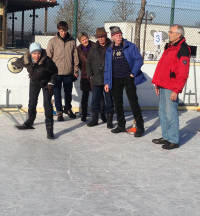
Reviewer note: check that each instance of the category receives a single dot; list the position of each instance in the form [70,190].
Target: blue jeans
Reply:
[97,92]
[169,119]
[66,81]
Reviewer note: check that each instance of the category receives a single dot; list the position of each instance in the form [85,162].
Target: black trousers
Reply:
[84,102]
[34,91]
[118,86]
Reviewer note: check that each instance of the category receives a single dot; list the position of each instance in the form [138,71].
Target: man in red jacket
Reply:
[169,79]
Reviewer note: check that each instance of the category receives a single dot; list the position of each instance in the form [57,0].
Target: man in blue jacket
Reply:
[122,70]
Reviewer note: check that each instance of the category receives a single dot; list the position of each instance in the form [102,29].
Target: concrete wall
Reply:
[18,84]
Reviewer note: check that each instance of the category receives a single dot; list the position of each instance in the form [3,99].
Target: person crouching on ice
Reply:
[42,73]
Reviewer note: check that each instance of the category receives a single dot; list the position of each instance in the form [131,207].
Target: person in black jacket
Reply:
[95,71]
[42,73]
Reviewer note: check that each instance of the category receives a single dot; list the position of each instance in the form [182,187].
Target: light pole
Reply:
[148,17]
[13,18]
[33,23]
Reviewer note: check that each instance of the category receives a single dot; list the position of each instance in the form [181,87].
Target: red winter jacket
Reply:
[173,68]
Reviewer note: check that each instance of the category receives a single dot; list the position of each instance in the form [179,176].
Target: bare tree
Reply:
[84,18]
[122,10]
[138,23]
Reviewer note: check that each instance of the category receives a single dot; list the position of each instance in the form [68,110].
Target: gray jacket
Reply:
[64,54]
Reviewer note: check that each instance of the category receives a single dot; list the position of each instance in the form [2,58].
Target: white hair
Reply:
[180,30]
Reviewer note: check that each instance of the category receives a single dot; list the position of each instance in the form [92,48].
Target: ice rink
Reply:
[93,172]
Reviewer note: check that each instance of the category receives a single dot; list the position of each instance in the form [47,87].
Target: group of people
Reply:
[107,68]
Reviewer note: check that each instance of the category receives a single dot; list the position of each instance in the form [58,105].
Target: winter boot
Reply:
[70,113]
[94,120]
[60,116]
[25,126]
[102,110]
[140,128]
[139,132]
[50,134]
[110,120]
[83,118]
[49,128]
[103,117]
[84,112]
[118,129]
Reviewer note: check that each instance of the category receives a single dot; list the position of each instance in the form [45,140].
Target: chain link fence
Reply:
[98,13]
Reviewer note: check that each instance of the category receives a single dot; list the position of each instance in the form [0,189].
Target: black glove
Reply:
[50,88]
[15,67]
[74,78]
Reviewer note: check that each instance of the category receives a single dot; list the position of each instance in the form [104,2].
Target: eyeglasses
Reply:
[170,32]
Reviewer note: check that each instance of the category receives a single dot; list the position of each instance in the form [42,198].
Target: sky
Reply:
[192,4]
[186,13]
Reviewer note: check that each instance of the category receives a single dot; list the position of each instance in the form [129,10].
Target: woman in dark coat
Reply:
[42,72]
[85,85]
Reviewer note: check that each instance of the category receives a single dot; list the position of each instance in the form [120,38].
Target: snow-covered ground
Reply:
[92,172]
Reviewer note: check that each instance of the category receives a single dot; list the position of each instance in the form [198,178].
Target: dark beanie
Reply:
[115,30]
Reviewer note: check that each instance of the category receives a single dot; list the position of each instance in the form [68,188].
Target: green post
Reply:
[75,18]
[172,13]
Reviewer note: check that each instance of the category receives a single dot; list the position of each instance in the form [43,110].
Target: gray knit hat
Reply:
[115,30]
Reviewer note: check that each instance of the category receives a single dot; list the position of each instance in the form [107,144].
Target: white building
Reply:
[192,35]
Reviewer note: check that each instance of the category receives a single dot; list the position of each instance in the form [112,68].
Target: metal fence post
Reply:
[172,13]
[4,26]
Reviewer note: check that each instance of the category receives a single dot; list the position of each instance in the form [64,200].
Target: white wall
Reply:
[19,86]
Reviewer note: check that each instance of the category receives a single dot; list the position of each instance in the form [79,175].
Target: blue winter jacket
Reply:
[134,59]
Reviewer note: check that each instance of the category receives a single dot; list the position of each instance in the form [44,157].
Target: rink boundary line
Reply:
[127,109]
